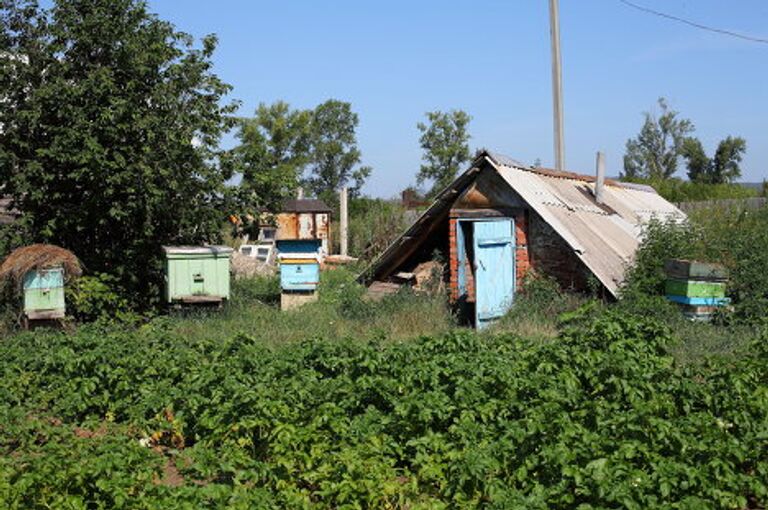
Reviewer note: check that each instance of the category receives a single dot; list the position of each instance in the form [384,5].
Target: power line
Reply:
[694,24]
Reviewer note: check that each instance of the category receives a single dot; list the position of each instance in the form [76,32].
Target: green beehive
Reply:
[694,288]
[197,274]
[44,294]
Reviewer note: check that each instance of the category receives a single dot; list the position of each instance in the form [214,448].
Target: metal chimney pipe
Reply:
[600,178]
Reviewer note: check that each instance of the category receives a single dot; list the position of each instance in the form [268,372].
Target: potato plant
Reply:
[600,418]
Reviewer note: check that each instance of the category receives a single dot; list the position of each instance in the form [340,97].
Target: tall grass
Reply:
[340,312]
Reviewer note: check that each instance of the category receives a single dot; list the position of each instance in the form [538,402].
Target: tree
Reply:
[111,121]
[699,164]
[272,154]
[728,155]
[723,168]
[445,144]
[334,157]
[655,152]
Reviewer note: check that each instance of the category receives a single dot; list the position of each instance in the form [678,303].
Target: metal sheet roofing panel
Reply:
[605,237]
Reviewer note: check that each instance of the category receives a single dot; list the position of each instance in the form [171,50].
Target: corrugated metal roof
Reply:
[604,237]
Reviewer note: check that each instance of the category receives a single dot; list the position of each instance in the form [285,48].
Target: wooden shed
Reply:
[500,219]
[305,219]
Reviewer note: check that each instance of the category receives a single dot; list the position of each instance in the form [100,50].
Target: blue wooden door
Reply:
[494,244]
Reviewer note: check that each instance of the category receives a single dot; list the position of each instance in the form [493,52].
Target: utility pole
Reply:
[557,84]
[344,221]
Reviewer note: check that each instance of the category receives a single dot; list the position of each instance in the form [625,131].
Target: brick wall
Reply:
[453,260]
[523,262]
[522,254]
[552,256]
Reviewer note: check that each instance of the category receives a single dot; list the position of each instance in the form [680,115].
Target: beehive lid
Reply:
[197,250]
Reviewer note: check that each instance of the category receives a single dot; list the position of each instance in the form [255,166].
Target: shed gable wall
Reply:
[538,246]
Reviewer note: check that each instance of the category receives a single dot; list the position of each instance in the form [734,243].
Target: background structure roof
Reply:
[301,205]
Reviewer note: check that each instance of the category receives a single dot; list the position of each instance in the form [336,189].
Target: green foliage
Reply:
[722,169]
[90,298]
[373,224]
[656,150]
[254,310]
[445,144]
[539,306]
[334,157]
[678,190]
[602,418]
[661,241]
[735,237]
[279,145]
[111,120]
[271,156]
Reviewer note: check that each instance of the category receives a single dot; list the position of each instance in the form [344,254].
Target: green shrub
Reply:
[373,225]
[91,298]
[262,289]
[661,241]
[737,238]
[678,190]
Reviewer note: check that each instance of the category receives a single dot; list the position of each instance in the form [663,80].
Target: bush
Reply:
[735,238]
[373,225]
[263,289]
[678,190]
[97,297]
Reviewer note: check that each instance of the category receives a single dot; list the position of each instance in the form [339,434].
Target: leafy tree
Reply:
[699,164]
[111,120]
[445,144]
[723,168]
[655,152]
[334,156]
[272,154]
[728,155]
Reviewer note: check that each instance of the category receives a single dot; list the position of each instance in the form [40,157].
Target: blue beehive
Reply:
[299,271]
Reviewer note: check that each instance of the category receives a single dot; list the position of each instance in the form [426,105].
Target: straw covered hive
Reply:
[36,257]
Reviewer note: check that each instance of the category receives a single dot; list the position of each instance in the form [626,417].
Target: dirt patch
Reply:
[171,475]
[91,434]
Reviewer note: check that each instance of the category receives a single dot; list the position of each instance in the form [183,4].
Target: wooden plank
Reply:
[379,290]
[500,212]
[191,300]
[42,315]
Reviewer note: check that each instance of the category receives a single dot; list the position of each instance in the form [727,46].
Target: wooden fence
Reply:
[733,203]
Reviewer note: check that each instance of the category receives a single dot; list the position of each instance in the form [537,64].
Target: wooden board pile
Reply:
[697,287]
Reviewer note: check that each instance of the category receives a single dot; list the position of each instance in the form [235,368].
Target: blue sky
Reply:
[396,60]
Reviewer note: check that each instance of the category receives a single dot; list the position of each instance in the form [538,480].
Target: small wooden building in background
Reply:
[305,219]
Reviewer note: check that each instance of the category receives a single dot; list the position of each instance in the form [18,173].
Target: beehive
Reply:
[197,274]
[697,287]
[44,294]
[299,271]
